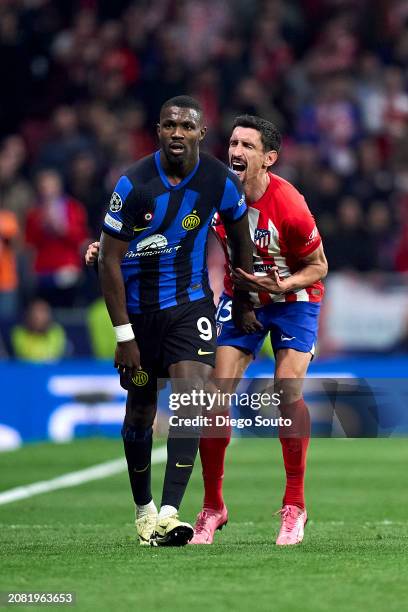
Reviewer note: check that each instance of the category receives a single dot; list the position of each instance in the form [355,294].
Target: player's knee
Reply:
[194,392]
[140,417]
[194,382]
[289,386]
[132,433]
[290,370]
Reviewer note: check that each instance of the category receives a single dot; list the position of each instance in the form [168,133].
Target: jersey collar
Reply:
[164,178]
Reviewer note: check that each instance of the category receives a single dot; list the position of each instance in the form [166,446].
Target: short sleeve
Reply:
[301,235]
[232,206]
[123,208]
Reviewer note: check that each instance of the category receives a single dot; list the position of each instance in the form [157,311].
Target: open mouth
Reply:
[177,148]
[238,166]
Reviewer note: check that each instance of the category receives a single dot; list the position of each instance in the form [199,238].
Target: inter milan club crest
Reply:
[140,378]
[262,238]
[191,221]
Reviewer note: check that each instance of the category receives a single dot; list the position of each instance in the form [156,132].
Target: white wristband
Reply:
[124,333]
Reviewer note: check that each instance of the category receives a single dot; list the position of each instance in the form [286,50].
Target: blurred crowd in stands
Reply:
[83,82]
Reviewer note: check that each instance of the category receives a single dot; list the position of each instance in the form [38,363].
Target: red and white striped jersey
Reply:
[283,232]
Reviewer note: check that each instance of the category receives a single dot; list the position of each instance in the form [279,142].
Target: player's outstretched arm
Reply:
[239,239]
[127,356]
[314,269]
[249,282]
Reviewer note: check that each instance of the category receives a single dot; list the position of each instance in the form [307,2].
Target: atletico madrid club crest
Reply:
[262,238]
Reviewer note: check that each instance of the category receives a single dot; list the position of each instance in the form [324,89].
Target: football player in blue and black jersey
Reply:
[153,272]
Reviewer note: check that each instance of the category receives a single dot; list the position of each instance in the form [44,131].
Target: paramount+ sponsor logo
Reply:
[152,243]
[156,244]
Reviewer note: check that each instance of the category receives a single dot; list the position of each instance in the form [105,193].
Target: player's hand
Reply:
[243,316]
[127,361]
[92,253]
[272,283]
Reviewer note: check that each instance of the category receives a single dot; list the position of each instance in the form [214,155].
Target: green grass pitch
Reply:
[354,556]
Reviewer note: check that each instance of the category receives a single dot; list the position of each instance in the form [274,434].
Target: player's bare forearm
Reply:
[240,242]
[111,253]
[315,269]
[303,278]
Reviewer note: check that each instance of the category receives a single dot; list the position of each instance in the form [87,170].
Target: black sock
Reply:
[138,450]
[181,453]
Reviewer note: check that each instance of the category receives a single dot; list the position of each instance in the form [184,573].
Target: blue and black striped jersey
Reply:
[167,229]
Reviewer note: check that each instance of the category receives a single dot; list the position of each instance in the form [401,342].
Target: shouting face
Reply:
[247,155]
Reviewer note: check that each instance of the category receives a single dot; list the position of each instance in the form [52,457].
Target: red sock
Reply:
[294,450]
[212,453]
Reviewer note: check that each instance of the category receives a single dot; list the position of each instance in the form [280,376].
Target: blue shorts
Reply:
[291,325]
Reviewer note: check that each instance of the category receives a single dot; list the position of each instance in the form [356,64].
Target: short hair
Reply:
[270,135]
[183,102]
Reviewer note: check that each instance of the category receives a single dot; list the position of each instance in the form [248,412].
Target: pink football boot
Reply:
[207,523]
[293,521]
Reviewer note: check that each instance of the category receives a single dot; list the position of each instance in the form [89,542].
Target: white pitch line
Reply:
[73,479]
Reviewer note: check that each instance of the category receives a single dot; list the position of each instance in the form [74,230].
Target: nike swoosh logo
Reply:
[181,465]
[201,352]
[142,470]
[141,229]
[283,338]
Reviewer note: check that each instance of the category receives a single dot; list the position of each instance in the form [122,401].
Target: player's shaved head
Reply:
[270,135]
[184,102]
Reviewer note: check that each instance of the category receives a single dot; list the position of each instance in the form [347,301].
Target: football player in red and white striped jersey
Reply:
[286,291]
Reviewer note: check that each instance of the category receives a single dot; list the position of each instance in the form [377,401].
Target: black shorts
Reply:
[181,333]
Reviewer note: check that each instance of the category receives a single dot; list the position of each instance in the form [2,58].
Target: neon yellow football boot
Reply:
[170,531]
[145,526]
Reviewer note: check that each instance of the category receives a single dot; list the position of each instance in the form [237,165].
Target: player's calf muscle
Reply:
[140,416]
